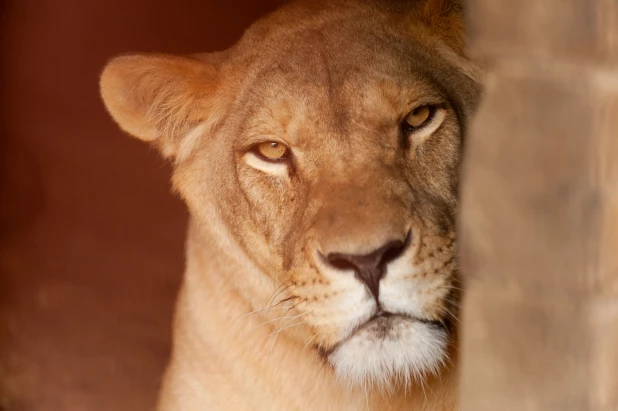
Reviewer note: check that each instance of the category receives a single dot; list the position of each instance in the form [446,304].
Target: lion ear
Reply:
[161,98]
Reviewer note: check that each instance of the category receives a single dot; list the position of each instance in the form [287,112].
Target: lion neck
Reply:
[221,341]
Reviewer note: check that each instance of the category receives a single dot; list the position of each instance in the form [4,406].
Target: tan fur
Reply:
[262,322]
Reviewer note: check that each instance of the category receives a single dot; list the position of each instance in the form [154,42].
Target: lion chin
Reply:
[389,348]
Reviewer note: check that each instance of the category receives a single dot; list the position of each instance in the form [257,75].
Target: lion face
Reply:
[325,154]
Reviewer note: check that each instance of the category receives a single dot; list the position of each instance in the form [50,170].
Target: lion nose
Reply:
[370,268]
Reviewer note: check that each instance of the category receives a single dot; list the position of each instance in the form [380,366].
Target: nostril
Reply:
[340,263]
[395,249]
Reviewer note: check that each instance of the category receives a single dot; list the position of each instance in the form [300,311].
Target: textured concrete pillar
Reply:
[539,221]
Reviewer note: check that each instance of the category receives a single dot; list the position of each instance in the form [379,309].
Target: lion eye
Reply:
[272,150]
[417,118]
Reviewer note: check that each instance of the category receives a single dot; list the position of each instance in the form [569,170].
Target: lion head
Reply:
[323,151]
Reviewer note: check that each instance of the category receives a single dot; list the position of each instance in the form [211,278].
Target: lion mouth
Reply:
[382,325]
[389,347]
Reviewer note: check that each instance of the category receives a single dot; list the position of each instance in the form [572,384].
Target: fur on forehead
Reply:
[423,19]
[431,32]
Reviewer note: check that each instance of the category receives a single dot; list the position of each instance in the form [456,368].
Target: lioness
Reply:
[319,160]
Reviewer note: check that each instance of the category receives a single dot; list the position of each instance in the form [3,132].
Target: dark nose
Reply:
[370,268]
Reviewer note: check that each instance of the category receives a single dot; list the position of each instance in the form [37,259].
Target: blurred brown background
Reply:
[91,240]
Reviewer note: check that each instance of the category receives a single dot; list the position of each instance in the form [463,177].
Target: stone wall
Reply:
[539,220]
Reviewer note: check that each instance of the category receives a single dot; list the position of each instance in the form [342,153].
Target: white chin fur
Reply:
[390,349]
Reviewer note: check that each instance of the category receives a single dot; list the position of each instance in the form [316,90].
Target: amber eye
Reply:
[271,150]
[417,118]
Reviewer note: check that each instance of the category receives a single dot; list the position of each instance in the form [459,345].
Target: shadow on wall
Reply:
[91,241]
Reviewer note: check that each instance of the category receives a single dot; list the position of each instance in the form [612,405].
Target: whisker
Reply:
[283,287]
[285,300]
[453,316]
[449,359]
[290,309]
[284,326]
[258,311]
[309,342]
[277,319]
[279,331]
[269,304]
